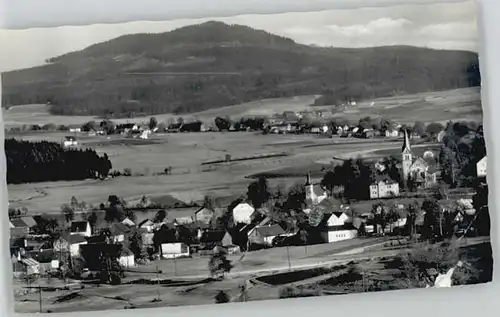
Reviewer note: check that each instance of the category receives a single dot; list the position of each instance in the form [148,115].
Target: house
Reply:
[126,128]
[129,223]
[75,130]
[174,127]
[243,213]
[81,228]
[22,225]
[384,189]
[212,239]
[69,243]
[118,232]
[69,141]
[481,167]
[25,267]
[335,227]
[126,258]
[174,250]
[147,224]
[204,215]
[391,133]
[264,235]
[145,134]
[315,194]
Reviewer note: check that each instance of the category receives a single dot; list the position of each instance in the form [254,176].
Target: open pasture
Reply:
[442,106]
[185,153]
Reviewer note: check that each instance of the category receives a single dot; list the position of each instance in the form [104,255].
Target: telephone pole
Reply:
[288,255]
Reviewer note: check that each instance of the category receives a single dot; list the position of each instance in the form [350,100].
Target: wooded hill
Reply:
[213,64]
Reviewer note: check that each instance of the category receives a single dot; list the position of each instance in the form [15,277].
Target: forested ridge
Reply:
[43,161]
[213,65]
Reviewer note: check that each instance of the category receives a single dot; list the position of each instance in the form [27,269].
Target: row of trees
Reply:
[49,161]
[463,146]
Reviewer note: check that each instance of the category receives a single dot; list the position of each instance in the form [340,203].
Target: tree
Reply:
[221,298]
[68,212]
[413,212]
[432,224]
[89,126]
[379,211]
[92,219]
[258,192]
[153,123]
[136,245]
[219,265]
[74,203]
[419,128]
[160,216]
[330,181]
[222,123]
[434,128]
[209,202]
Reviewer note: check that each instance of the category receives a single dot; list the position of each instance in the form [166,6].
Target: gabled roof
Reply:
[23,222]
[18,232]
[204,209]
[118,228]
[212,236]
[145,223]
[128,222]
[74,238]
[79,226]
[270,231]
[30,262]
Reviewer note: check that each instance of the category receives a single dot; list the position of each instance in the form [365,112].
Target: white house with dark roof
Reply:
[264,235]
[69,243]
[335,227]
[204,215]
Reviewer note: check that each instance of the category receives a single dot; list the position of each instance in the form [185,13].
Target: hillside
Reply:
[212,65]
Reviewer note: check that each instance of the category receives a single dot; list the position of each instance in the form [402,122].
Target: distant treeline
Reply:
[49,161]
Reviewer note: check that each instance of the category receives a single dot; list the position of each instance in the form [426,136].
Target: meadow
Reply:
[185,152]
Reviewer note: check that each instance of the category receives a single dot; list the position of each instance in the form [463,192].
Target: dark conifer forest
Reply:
[30,162]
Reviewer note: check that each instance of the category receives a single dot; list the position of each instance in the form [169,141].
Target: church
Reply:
[417,172]
[315,194]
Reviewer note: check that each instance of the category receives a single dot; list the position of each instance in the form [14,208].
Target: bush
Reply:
[127,172]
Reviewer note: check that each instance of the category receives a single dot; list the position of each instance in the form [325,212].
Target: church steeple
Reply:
[407,159]
[406,143]
[308,180]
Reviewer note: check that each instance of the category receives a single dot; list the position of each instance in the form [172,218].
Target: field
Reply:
[316,270]
[185,152]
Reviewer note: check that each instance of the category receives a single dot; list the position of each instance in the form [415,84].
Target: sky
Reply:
[439,26]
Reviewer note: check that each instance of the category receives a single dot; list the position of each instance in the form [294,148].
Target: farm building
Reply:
[69,141]
[126,258]
[243,213]
[335,227]
[481,167]
[69,243]
[212,239]
[204,215]
[264,235]
[384,189]
[81,228]
[129,223]
[118,232]
[25,267]
[22,224]
[174,250]
[147,224]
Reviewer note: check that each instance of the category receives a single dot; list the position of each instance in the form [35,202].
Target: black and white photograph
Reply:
[245,158]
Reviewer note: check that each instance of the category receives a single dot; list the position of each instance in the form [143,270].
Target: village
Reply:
[117,243]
